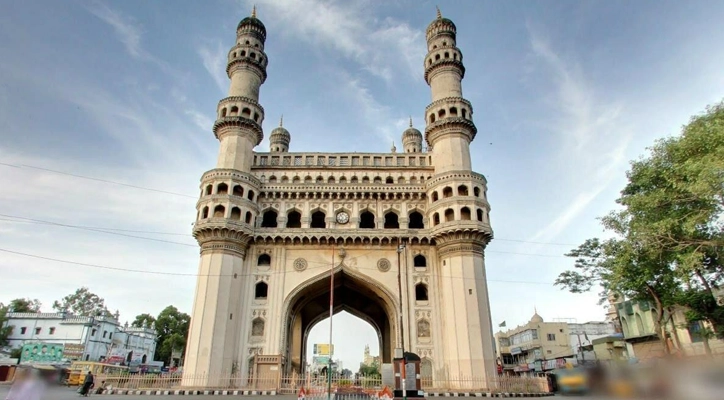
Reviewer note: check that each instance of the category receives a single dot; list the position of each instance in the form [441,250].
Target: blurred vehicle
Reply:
[79,369]
[572,381]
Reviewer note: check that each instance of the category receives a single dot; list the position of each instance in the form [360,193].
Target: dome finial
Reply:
[439,14]
[410,121]
[393,149]
[253,11]
[281,120]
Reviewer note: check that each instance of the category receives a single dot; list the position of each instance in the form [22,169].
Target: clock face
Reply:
[342,217]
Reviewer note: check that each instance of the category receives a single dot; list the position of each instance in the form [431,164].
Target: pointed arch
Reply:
[238,191]
[269,219]
[219,211]
[294,219]
[419,261]
[236,213]
[261,290]
[367,220]
[264,260]
[318,219]
[391,220]
[415,221]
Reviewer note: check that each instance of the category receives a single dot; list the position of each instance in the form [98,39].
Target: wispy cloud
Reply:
[213,57]
[128,32]
[377,46]
[590,131]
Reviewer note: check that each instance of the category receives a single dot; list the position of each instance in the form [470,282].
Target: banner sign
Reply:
[42,353]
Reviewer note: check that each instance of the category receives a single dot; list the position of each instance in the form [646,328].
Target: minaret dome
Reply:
[412,140]
[279,138]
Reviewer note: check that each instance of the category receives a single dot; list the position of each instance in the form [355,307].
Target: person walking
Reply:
[27,386]
[87,385]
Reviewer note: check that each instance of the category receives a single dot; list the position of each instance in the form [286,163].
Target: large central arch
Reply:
[357,294]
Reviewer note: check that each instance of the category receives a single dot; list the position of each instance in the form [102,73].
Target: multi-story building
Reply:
[82,338]
[402,236]
[370,360]
[534,347]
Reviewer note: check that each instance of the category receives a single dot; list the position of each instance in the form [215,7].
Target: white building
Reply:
[84,338]
[583,335]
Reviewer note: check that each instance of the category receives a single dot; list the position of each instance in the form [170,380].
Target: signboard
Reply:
[388,375]
[323,349]
[320,360]
[410,377]
[42,353]
[73,351]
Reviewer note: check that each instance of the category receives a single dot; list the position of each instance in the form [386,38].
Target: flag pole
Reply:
[331,313]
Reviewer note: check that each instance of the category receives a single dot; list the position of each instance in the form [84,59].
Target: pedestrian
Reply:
[87,385]
[27,386]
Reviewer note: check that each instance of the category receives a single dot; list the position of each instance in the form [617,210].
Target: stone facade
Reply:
[274,228]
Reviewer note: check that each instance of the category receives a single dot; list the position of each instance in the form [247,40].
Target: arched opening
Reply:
[246,112]
[354,180]
[465,113]
[367,220]
[437,57]
[419,261]
[238,191]
[449,215]
[441,113]
[436,219]
[640,325]
[342,180]
[447,54]
[219,211]
[480,214]
[453,112]
[269,220]
[236,213]
[330,180]
[391,221]
[264,260]
[465,214]
[366,179]
[320,179]
[415,221]
[434,197]
[222,188]
[285,179]
[389,180]
[250,195]
[306,313]
[447,192]
[426,373]
[223,112]
[318,220]
[307,179]
[420,292]
[208,189]
[476,191]
[296,179]
[432,117]
[260,291]
[294,219]
[248,217]
[401,180]
[462,190]
[273,179]
[377,179]
[234,110]
[205,213]
[257,328]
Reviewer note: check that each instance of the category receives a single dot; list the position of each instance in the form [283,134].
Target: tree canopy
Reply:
[142,320]
[172,329]
[5,329]
[669,232]
[24,306]
[84,303]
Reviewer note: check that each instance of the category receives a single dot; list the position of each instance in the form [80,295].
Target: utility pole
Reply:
[331,313]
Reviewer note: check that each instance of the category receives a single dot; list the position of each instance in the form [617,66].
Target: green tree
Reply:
[142,320]
[369,370]
[169,322]
[5,329]
[24,306]
[84,303]
[173,342]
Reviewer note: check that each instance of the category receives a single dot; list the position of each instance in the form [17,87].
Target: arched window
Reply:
[320,179]
[367,220]
[354,180]
[342,180]
[441,113]
[269,219]
[432,117]
[242,54]
[264,260]
[480,214]
[219,211]
[236,213]
[465,113]
[330,180]
[447,54]
[260,290]
[465,214]
[426,373]
[436,219]
[449,215]
[248,217]
[208,189]
[462,190]
[476,191]
[273,179]
[257,327]
[222,188]
[318,220]
[420,292]
[223,112]
[296,179]
[250,195]
[378,179]
[420,261]
[389,180]
[391,221]
[447,192]
[366,179]
[246,112]
[401,180]
[413,181]
[256,119]
[307,179]
[437,57]
[434,197]
[238,191]
[294,219]
[415,221]
[234,110]
[205,213]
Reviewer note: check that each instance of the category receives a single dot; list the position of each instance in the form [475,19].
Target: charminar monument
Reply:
[275,227]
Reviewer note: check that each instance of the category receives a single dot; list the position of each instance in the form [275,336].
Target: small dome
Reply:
[411,133]
[441,22]
[279,131]
[254,21]
[536,318]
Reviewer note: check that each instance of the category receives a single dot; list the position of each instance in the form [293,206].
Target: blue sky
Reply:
[565,93]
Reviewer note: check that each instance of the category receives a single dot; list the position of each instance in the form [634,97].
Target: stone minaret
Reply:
[279,139]
[412,140]
[227,211]
[458,209]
